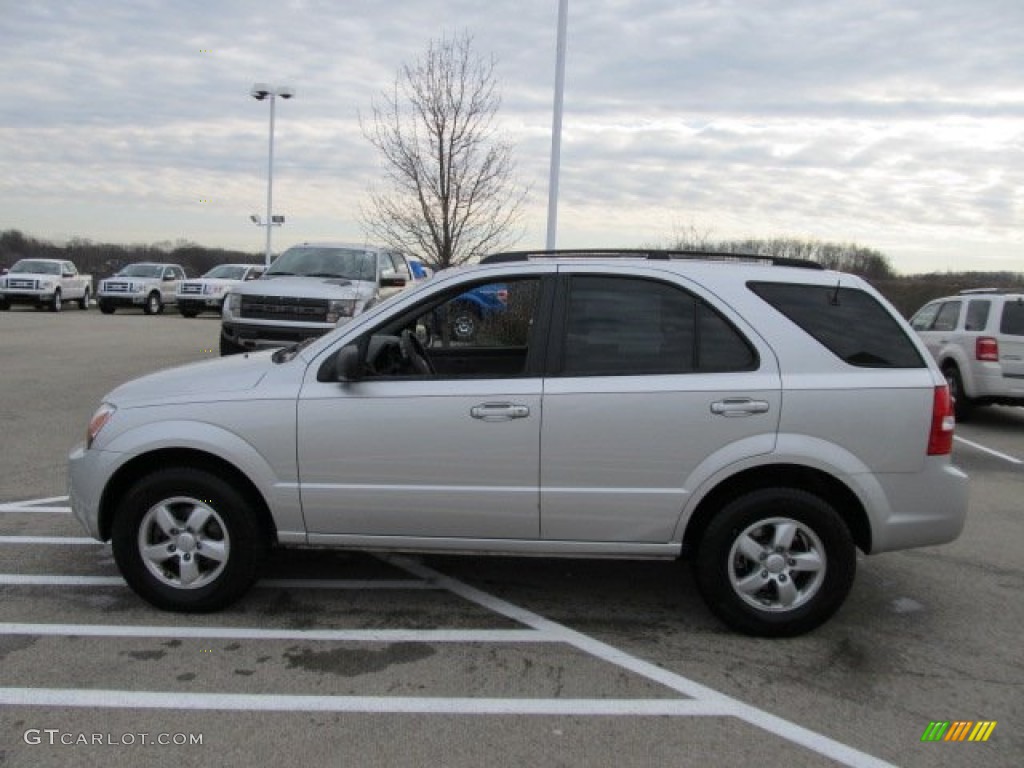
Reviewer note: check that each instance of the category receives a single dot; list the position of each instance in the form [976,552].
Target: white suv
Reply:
[765,419]
[977,337]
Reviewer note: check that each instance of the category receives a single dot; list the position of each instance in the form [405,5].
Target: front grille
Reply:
[116,287]
[291,309]
[22,283]
[192,288]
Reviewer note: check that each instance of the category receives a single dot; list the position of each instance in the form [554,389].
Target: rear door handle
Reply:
[739,406]
[499,411]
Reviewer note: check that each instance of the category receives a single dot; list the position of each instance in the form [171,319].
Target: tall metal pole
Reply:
[270,180]
[556,127]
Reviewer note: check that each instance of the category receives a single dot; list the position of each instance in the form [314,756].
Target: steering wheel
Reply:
[416,353]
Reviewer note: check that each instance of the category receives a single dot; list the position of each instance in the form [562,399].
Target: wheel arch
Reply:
[809,479]
[128,474]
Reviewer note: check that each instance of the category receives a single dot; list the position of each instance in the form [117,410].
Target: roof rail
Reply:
[650,254]
[969,291]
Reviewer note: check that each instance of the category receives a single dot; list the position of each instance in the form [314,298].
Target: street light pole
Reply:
[556,125]
[261,91]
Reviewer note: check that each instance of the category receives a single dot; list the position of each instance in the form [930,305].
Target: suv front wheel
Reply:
[186,540]
[775,562]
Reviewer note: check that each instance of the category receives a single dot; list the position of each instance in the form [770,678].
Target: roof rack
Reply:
[650,254]
[971,291]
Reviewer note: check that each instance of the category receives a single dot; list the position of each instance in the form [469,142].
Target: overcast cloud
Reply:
[897,125]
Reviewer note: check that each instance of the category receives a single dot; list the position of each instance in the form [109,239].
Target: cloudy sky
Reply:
[894,124]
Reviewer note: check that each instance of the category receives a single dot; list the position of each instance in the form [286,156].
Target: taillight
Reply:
[940,439]
[986,349]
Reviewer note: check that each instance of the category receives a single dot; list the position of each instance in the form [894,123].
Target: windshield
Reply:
[227,272]
[36,267]
[142,270]
[325,262]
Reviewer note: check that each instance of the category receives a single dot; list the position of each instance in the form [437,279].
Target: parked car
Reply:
[146,285]
[207,293]
[762,417]
[44,283]
[309,290]
[977,338]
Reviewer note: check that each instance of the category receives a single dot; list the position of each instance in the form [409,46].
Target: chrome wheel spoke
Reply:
[164,518]
[784,535]
[188,570]
[788,593]
[750,548]
[806,561]
[157,553]
[752,584]
[198,518]
[214,550]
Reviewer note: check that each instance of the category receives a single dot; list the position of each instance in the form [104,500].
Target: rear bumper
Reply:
[924,509]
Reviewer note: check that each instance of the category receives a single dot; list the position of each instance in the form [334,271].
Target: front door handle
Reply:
[499,411]
[739,406]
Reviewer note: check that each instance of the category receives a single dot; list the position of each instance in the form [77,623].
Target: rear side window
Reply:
[847,321]
[1013,318]
[629,327]
[977,314]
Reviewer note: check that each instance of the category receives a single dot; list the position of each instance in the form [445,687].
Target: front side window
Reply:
[628,327]
[949,315]
[484,331]
[925,316]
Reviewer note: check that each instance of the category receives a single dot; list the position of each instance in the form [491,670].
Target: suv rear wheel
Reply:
[185,540]
[775,562]
[963,406]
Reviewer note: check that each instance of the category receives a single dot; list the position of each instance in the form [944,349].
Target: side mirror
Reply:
[348,366]
[392,282]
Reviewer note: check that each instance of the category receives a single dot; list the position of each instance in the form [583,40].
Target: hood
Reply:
[308,287]
[202,381]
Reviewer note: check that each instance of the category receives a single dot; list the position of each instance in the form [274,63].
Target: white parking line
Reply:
[61,580]
[65,697]
[990,451]
[263,633]
[38,505]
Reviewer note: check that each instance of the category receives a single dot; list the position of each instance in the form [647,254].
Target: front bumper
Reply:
[200,305]
[88,472]
[34,298]
[122,299]
[255,336]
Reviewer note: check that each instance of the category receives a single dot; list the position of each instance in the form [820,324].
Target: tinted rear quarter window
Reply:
[1013,318]
[848,322]
[977,314]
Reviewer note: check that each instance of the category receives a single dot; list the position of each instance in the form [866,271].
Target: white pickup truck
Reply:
[45,283]
[147,285]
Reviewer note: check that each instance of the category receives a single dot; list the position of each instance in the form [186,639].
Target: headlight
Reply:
[340,309]
[208,289]
[233,303]
[46,285]
[140,288]
[99,420]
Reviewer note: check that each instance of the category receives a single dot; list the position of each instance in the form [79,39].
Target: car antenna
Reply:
[834,298]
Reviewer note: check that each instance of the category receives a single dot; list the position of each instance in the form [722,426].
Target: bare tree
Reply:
[448,195]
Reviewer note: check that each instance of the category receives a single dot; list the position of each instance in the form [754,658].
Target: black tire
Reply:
[963,406]
[153,306]
[189,313]
[57,304]
[4,305]
[204,542]
[793,582]
[83,303]
[105,308]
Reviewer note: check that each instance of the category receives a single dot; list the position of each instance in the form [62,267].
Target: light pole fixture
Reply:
[261,91]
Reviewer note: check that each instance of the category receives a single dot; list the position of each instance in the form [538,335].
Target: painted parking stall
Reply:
[650,690]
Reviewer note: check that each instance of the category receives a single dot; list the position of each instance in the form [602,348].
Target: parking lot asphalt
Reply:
[351,659]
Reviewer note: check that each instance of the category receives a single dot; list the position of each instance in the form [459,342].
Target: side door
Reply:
[169,281]
[433,439]
[652,389]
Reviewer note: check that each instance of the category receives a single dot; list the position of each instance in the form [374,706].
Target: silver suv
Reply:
[764,419]
[977,337]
